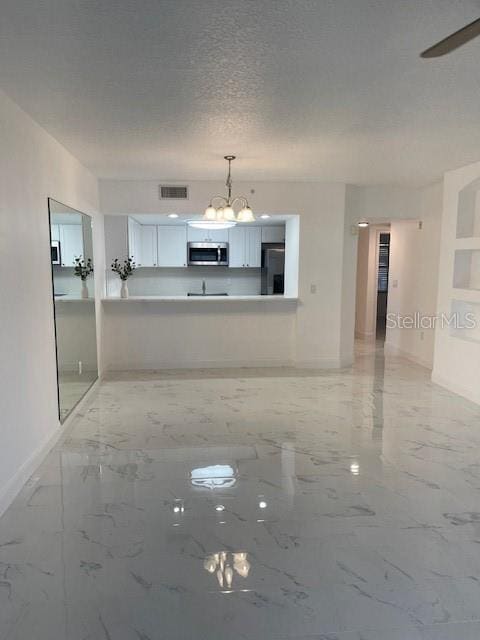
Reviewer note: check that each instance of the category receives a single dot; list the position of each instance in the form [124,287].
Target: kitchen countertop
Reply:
[207,298]
[69,298]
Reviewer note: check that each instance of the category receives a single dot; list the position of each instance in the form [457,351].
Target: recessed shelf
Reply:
[468,217]
[466,272]
[465,321]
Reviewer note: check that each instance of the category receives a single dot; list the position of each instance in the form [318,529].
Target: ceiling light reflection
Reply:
[355,468]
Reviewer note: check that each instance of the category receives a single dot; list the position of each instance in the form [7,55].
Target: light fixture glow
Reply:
[211,224]
[220,507]
[172,215]
[224,216]
[264,216]
[262,504]
[210,213]
[229,213]
[363,224]
[245,215]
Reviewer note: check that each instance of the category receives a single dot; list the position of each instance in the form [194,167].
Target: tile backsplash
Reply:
[180,281]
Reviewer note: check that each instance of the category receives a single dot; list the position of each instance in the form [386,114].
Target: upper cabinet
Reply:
[245,245]
[271,233]
[148,245]
[253,246]
[55,232]
[207,235]
[152,245]
[134,241]
[236,247]
[71,243]
[172,246]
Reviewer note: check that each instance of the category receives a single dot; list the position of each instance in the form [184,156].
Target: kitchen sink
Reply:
[206,295]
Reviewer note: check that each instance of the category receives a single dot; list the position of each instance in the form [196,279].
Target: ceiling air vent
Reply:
[173,192]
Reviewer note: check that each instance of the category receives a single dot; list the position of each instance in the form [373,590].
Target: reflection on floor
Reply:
[341,506]
[73,387]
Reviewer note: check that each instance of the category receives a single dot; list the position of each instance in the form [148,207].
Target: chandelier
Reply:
[223,215]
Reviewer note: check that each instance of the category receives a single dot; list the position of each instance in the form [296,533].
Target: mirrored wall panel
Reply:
[73,276]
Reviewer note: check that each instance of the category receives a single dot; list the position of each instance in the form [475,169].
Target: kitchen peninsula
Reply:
[225,321]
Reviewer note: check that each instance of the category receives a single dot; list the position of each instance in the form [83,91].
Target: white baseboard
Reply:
[324,363]
[199,364]
[469,394]
[393,350]
[13,487]
[315,363]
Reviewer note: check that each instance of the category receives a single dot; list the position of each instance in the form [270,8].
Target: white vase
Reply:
[84,289]
[124,289]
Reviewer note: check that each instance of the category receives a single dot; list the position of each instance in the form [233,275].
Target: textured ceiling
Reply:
[298,89]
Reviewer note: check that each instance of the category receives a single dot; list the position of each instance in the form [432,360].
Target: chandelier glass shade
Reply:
[220,213]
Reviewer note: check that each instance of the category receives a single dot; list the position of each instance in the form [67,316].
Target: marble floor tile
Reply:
[274,504]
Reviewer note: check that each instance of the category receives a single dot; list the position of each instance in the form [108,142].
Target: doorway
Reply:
[383,264]
[373,263]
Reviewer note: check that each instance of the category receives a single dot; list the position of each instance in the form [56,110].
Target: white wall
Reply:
[457,355]
[33,166]
[317,329]
[384,203]
[171,335]
[414,260]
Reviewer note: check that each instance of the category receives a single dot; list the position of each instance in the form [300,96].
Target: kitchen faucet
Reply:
[204,288]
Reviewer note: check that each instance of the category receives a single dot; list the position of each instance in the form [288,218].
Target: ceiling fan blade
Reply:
[452,42]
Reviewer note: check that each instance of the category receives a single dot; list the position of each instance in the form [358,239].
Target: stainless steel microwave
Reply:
[55,251]
[208,254]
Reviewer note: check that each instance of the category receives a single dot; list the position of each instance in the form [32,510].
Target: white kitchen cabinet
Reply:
[253,246]
[172,246]
[207,235]
[55,232]
[271,233]
[135,241]
[236,247]
[148,245]
[245,245]
[71,243]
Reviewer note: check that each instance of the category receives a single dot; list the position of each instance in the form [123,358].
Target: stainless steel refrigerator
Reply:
[273,268]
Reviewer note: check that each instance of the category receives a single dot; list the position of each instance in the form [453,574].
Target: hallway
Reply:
[253,504]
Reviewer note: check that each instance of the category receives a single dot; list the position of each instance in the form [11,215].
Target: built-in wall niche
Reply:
[468,218]
[465,321]
[466,272]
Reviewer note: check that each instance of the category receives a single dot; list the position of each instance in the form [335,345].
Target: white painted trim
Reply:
[317,363]
[324,363]
[16,483]
[455,388]
[392,350]
[200,364]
